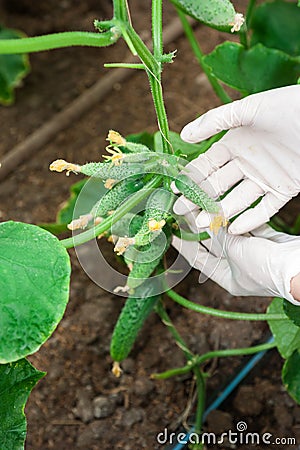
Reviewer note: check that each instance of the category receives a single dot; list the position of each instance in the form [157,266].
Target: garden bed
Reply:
[80,404]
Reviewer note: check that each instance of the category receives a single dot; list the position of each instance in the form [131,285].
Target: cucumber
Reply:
[115,196]
[157,208]
[107,170]
[193,192]
[130,321]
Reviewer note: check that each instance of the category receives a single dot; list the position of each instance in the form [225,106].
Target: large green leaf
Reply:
[286,334]
[292,311]
[12,68]
[215,13]
[277,25]
[179,146]
[291,375]
[254,70]
[34,288]
[16,382]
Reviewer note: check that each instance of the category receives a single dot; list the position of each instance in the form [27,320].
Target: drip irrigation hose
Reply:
[226,392]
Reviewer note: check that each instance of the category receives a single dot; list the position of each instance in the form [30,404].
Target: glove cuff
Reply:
[289,269]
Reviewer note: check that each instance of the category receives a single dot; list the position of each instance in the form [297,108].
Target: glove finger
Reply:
[267,232]
[188,249]
[182,206]
[212,267]
[257,216]
[174,188]
[242,196]
[224,117]
[222,179]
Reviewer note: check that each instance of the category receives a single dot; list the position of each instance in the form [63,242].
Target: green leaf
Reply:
[12,68]
[90,191]
[142,138]
[16,382]
[291,375]
[34,287]
[292,311]
[286,334]
[276,25]
[254,70]
[214,13]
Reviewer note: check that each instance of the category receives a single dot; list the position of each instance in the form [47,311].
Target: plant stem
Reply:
[210,355]
[59,40]
[124,66]
[200,383]
[120,10]
[218,313]
[167,321]
[186,236]
[118,214]
[249,12]
[221,93]
[157,29]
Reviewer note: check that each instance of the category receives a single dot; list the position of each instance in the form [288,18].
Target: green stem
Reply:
[120,10]
[157,29]
[221,93]
[59,40]
[250,9]
[167,321]
[162,119]
[218,313]
[186,236]
[198,360]
[200,383]
[118,214]
[124,66]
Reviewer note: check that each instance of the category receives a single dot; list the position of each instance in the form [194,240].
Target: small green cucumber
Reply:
[145,259]
[157,208]
[105,171]
[193,192]
[128,225]
[130,321]
[115,196]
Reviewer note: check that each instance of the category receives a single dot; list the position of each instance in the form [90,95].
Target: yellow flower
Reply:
[122,244]
[217,222]
[60,165]
[117,156]
[80,223]
[116,369]
[237,23]
[109,183]
[115,138]
[155,225]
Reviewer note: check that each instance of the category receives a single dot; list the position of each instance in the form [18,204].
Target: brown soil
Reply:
[79,404]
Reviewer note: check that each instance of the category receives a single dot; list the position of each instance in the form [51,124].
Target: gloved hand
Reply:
[262,264]
[261,150]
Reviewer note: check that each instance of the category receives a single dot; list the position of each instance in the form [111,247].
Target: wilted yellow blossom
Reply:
[155,225]
[117,156]
[237,23]
[122,244]
[217,222]
[109,183]
[60,165]
[80,223]
[116,369]
[115,138]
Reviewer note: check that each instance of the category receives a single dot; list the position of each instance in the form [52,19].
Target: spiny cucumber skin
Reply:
[135,147]
[194,193]
[130,321]
[105,171]
[128,225]
[115,196]
[157,207]
[146,260]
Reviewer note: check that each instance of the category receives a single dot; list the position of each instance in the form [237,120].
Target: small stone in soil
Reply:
[132,416]
[104,406]
[84,408]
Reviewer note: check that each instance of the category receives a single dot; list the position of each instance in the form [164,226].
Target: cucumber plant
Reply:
[137,170]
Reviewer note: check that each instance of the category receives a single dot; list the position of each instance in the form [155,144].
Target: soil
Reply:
[80,404]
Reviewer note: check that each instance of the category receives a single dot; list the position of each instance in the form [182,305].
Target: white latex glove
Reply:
[261,150]
[261,264]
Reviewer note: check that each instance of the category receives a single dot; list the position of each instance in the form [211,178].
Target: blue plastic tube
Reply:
[227,391]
